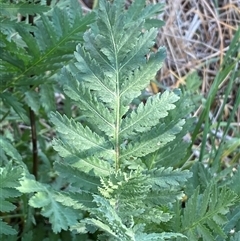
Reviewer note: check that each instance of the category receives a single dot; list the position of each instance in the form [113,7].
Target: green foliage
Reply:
[109,73]
[7,149]
[44,48]
[23,8]
[61,217]
[121,171]
[109,221]
[9,182]
[209,211]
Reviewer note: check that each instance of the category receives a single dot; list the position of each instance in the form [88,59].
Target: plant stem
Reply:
[34,142]
[33,127]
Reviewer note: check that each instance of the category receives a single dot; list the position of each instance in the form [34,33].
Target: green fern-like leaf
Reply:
[85,140]
[112,143]
[44,49]
[172,154]
[125,188]
[140,197]
[47,97]
[5,229]
[12,9]
[32,98]
[7,148]
[85,163]
[107,76]
[233,219]
[77,178]
[17,106]
[9,182]
[151,141]
[236,237]
[209,213]
[77,200]
[61,217]
[109,221]
[146,116]
[167,178]
[235,182]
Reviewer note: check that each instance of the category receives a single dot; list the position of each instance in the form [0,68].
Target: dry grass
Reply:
[197,35]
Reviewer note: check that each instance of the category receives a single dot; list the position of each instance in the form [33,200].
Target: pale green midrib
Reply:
[117,104]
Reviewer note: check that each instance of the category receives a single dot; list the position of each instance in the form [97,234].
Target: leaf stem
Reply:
[34,142]
[117,129]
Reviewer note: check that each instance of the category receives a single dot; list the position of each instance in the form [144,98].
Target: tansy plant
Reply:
[121,172]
